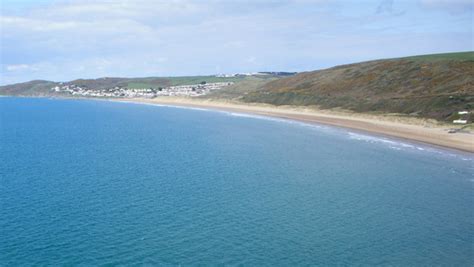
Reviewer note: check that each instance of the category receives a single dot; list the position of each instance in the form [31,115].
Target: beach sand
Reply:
[414,129]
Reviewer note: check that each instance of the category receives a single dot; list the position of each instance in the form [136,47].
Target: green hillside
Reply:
[444,56]
[150,82]
[42,88]
[433,86]
[31,88]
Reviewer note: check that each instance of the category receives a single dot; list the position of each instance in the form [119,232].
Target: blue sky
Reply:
[64,40]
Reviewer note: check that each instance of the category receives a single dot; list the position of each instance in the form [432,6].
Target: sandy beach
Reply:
[413,129]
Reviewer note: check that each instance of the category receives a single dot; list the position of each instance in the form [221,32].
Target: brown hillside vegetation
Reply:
[428,86]
[31,88]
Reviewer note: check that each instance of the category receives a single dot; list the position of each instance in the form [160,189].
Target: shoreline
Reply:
[424,131]
[410,129]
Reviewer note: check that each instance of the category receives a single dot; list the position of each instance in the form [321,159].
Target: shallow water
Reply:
[96,182]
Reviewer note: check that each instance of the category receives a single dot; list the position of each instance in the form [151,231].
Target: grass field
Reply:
[175,81]
[445,56]
[197,79]
[241,88]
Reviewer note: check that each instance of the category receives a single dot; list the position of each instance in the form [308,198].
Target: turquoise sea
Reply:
[104,183]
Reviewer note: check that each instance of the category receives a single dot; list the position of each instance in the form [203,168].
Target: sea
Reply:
[87,182]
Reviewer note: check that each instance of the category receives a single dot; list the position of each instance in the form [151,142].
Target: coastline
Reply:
[412,129]
[425,131]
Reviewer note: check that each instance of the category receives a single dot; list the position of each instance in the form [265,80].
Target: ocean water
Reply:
[104,183]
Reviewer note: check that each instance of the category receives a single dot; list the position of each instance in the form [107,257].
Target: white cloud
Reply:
[20,67]
[140,11]
[74,39]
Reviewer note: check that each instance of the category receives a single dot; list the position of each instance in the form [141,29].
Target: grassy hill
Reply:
[237,90]
[31,88]
[149,82]
[433,86]
[42,88]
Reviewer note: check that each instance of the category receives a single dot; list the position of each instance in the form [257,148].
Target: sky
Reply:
[62,40]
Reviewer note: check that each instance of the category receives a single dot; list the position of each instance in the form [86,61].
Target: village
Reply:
[192,90]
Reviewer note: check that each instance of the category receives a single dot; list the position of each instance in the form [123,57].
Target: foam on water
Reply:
[282,120]
[381,140]
[405,145]
[162,105]
[392,143]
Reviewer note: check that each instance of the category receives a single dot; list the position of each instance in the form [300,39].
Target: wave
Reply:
[392,143]
[162,105]
[276,119]
[405,145]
